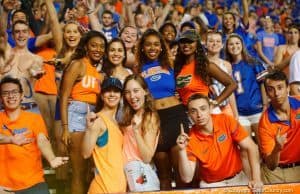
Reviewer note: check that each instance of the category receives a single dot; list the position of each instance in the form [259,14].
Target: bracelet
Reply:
[64,124]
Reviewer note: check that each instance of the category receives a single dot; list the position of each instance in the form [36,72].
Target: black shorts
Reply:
[170,120]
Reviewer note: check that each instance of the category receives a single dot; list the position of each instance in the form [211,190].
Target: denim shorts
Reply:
[77,115]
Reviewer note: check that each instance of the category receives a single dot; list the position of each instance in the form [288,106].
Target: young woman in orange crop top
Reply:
[65,40]
[193,70]
[140,126]
[80,88]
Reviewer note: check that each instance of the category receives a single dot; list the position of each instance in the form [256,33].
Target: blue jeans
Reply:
[77,115]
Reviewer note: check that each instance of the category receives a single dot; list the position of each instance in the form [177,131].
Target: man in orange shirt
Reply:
[20,161]
[213,142]
[279,132]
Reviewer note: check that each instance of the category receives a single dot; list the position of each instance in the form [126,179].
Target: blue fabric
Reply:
[30,45]
[161,82]
[281,39]
[248,94]
[212,18]
[268,41]
[77,115]
[103,139]
[111,33]
[294,103]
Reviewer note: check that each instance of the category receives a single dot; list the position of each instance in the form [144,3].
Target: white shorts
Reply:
[249,120]
[238,180]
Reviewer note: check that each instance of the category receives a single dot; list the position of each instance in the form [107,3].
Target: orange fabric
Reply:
[118,7]
[188,83]
[179,8]
[227,110]
[214,151]
[31,34]
[46,84]
[291,188]
[130,148]
[108,159]
[21,166]
[87,89]
[84,21]
[267,133]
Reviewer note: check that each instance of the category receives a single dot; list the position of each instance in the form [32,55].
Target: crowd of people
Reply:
[149,95]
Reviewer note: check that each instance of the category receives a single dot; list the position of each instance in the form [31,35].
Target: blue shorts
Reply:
[77,115]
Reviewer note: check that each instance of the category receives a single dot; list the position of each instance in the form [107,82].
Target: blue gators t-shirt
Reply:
[248,94]
[161,82]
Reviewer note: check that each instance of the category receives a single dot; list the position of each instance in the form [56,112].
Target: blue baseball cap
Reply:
[111,82]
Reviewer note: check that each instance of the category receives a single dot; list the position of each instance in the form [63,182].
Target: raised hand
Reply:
[280,140]
[90,118]
[182,139]
[136,122]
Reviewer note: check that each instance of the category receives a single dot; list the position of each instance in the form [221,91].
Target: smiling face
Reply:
[111,97]
[234,46]
[134,94]
[228,21]
[152,47]
[71,35]
[116,53]
[214,43]
[188,47]
[21,34]
[11,96]
[95,49]
[168,33]
[129,37]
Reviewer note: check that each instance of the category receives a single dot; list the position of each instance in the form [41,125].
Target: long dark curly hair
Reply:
[108,67]
[201,61]
[164,56]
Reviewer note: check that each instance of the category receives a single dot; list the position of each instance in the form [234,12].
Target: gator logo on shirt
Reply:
[298,116]
[222,138]
[182,81]
[155,78]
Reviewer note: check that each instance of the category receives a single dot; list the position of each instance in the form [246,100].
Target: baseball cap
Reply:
[190,35]
[111,82]
[189,24]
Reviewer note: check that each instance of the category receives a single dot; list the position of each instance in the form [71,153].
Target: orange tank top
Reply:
[108,159]
[46,84]
[188,83]
[87,89]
